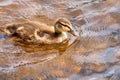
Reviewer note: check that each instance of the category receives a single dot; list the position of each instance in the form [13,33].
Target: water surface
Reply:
[94,55]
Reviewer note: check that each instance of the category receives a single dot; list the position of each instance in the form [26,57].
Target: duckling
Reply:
[33,31]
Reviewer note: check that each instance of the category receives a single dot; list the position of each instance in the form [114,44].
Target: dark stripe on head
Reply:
[63,24]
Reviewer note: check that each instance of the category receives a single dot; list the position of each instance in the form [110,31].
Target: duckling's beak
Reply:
[72,32]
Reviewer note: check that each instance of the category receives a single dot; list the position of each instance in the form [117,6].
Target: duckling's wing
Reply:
[26,31]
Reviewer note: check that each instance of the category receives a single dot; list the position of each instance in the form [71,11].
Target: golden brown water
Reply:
[95,55]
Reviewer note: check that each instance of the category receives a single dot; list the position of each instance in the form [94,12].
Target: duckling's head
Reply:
[63,25]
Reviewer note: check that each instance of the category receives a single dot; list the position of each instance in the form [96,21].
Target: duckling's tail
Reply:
[5,31]
[2,29]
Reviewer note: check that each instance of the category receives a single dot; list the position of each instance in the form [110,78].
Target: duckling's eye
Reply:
[60,26]
[63,24]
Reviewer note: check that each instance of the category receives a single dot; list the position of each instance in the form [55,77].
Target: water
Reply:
[95,55]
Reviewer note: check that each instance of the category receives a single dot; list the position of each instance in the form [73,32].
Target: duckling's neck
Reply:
[57,33]
[60,35]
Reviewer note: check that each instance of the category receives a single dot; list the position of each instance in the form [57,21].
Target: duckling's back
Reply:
[26,30]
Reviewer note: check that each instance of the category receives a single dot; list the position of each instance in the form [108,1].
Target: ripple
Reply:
[5,2]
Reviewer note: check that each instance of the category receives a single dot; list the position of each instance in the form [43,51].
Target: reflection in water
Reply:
[27,53]
[94,55]
[31,47]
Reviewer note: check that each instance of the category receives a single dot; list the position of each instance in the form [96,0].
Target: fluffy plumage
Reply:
[32,31]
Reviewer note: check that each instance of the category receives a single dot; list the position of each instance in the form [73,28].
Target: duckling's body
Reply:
[32,31]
